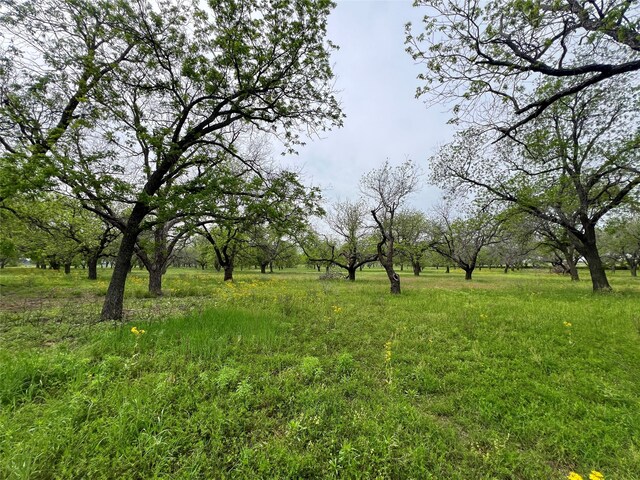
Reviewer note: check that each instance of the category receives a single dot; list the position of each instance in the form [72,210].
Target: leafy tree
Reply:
[623,240]
[242,209]
[574,164]
[557,239]
[487,55]
[157,248]
[415,236]
[515,243]
[388,189]
[9,238]
[57,229]
[58,54]
[169,119]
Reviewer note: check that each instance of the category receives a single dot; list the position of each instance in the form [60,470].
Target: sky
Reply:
[376,80]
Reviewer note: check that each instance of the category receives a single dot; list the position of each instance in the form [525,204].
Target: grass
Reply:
[286,376]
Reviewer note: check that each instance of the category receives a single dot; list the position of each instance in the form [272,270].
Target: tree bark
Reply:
[506,268]
[417,269]
[596,269]
[573,269]
[467,274]
[92,264]
[114,300]
[67,268]
[228,273]
[155,281]
[351,274]
[447,270]
[263,267]
[634,269]
[394,280]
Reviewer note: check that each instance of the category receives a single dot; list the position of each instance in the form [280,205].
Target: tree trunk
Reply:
[228,273]
[67,268]
[92,263]
[155,281]
[351,274]
[263,267]
[447,271]
[634,269]
[417,269]
[114,300]
[467,273]
[394,279]
[573,270]
[506,268]
[596,269]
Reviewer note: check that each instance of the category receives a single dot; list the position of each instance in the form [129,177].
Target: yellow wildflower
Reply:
[574,476]
[387,352]
[336,308]
[595,475]
[567,324]
[135,331]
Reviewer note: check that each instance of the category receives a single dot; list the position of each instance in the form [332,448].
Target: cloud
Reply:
[377,82]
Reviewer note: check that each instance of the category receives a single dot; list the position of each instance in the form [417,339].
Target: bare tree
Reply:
[461,235]
[353,248]
[388,188]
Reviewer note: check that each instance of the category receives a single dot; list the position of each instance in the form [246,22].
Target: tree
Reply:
[56,229]
[623,240]
[461,238]
[557,239]
[414,234]
[241,209]
[515,243]
[574,164]
[352,248]
[158,247]
[499,50]
[388,188]
[206,76]
[58,55]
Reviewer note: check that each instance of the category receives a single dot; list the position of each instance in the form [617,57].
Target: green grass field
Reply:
[516,376]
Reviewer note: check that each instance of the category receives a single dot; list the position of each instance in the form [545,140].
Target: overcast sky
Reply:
[376,79]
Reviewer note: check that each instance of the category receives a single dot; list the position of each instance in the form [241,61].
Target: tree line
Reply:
[136,125]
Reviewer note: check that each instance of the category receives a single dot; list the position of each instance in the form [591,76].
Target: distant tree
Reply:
[486,56]
[515,243]
[558,242]
[415,236]
[157,248]
[460,236]
[58,230]
[352,247]
[622,240]
[388,188]
[575,163]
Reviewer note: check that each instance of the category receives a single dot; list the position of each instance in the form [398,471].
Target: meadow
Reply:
[524,375]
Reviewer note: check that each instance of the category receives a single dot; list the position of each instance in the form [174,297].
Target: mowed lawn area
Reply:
[522,375]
